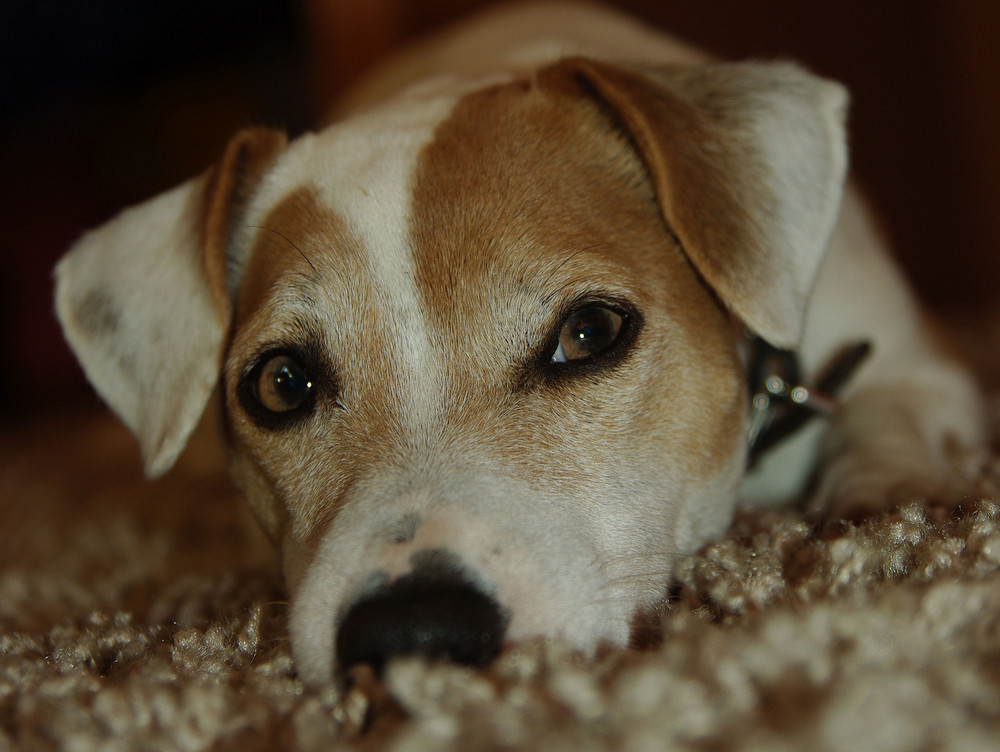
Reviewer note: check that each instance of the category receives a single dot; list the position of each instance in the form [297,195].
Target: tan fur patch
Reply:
[277,254]
[527,201]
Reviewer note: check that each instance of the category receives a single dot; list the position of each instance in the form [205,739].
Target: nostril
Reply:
[444,619]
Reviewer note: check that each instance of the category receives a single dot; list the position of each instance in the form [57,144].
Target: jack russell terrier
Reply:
[481,345]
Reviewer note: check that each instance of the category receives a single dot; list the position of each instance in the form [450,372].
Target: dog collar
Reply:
[781,402]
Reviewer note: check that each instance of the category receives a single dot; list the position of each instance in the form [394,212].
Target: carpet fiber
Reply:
[139,616]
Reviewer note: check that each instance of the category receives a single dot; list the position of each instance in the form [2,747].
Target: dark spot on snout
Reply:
[435,611]
[405,529]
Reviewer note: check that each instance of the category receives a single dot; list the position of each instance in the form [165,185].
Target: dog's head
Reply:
[475,348]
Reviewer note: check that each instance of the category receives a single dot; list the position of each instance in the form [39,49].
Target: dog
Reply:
[480,345]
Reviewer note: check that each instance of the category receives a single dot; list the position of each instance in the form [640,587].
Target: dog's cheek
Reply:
[259,493]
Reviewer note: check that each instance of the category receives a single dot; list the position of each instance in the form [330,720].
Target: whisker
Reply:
[285,238]
[634,577]
[666,558]
[554,293]
[563,263]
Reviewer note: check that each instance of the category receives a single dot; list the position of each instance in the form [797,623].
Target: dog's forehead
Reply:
[490,205]
[360,169]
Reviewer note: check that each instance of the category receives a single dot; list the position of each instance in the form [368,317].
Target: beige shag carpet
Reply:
[139,616]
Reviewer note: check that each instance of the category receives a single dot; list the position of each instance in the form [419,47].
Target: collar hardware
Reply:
[781,402]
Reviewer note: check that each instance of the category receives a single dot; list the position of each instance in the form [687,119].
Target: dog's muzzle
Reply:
[434,611]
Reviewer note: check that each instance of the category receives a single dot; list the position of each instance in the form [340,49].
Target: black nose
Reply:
[439,617]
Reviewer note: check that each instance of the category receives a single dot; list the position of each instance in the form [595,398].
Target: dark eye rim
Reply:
[249,399]
[599,363]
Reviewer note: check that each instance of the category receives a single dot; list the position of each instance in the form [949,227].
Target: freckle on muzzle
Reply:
[434,611]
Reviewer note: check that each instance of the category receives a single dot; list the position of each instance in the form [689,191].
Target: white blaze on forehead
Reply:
[363,171]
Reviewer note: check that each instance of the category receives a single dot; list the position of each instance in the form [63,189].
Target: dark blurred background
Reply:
[106,102]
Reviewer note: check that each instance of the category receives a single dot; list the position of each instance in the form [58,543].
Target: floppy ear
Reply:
[748,163]
[144,301]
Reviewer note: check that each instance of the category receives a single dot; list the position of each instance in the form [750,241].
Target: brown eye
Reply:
[586,332]
[282,385]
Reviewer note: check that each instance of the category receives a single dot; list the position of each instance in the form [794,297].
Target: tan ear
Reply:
[144,301]
[748,164]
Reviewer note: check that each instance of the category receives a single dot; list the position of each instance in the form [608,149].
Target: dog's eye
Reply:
[586,332]
[283,385]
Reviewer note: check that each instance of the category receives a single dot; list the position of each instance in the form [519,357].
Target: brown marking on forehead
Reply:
[518,167]
[286,240]
[529,190]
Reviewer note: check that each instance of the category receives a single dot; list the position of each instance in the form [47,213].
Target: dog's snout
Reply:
[442,618]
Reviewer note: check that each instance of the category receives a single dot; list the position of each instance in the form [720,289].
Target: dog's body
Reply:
[479,370]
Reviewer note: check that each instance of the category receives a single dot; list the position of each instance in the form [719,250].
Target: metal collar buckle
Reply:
[780,403]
